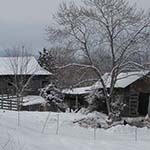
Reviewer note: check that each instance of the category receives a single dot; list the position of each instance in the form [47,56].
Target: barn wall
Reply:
[5,87]
[36,83]
[133,96]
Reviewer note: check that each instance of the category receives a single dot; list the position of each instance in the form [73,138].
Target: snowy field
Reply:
[29,136]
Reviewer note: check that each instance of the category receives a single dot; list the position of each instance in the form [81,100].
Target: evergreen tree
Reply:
[46,60]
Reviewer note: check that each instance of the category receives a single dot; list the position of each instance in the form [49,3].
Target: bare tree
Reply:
[52,57]
[64,78]
[21,73]
[111,26]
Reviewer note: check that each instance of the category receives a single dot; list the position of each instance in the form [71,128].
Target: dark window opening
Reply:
[143,104]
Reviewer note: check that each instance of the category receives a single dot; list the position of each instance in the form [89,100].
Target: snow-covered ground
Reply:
[70,136]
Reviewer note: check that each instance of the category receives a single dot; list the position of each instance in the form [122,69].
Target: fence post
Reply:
[95,132]
[57,129]
[136,136]
[2,104]
[45,122]
[10,104]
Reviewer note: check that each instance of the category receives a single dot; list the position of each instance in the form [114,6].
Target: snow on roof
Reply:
[33,100]
[77,91]
[123,79]
[21,66]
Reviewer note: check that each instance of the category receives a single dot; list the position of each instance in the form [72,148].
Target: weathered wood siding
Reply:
[132,96]
[36,83]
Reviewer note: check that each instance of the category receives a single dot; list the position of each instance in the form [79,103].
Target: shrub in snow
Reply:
[54,98]
[117,107]
[96,102]
[93,120]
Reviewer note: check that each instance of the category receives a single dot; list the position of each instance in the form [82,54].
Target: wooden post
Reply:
[10,104]
[57,129]
[7,94]
[76,102]
[136,136]
[2,104]
[69,106]
[2,94]
[95,132]
[46,122]
[148,107]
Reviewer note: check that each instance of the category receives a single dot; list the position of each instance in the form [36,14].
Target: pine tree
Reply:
[46,60]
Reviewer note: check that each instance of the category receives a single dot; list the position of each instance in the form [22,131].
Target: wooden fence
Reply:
[10,103]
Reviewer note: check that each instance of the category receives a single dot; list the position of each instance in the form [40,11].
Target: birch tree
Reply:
[112,26]
[22,73]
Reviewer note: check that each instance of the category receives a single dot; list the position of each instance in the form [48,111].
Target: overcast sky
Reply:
[24,21]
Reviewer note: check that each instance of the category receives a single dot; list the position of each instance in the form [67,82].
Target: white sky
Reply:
[24,21]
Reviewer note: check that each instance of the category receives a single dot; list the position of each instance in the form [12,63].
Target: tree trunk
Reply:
[108,105]
[149,107]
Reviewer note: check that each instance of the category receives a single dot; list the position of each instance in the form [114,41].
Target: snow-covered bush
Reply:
[54,98]
[117,107]
[93,120]
[96,102]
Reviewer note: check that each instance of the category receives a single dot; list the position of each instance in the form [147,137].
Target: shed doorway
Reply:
[143,104]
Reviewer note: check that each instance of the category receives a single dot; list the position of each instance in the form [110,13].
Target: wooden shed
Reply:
[15,71]
[133,88]
[75,97]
